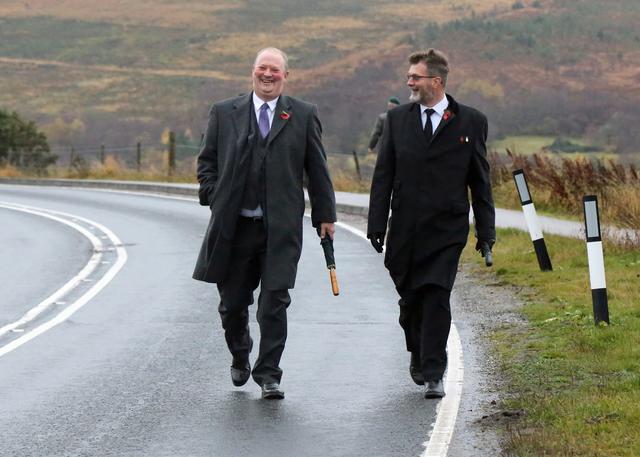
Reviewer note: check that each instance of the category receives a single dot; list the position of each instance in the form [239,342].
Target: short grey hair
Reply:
[285,58]
[436,61]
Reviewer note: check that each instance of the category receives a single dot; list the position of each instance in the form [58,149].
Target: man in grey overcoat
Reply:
[378,128]
[256,149]
[433,156]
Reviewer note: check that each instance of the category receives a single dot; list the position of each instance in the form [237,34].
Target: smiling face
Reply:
[425,87]
[269,75]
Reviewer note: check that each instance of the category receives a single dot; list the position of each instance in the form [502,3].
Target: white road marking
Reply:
[447,411]
[72,283]
[84,299]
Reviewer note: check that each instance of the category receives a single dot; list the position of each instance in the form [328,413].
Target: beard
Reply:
[414,96]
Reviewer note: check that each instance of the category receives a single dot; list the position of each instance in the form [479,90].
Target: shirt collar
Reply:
[438,107]
[258,102]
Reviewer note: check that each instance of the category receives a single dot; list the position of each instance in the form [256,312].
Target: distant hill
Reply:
[118,72]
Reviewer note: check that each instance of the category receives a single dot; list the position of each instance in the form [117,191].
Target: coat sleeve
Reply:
[377,132]
[479,181]
[207,169]
[320,187]
[382,182]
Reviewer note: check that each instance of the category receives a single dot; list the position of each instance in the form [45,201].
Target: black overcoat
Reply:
[426,186]
[293,146]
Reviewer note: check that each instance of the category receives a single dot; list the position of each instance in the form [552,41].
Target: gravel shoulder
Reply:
[480,305]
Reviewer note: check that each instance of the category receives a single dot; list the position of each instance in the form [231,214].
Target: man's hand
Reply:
[484,247]
[377,241]
[326,228]
[369,151]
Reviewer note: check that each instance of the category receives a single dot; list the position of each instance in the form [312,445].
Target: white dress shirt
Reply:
[436,117]
[257,104]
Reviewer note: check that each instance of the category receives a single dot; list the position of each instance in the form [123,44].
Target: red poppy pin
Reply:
[284,115]
[446,115]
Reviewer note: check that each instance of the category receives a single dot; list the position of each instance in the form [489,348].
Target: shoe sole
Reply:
[273,396]
[434,395]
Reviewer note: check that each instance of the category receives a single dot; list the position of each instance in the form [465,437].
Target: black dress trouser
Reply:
[246,267]
[425,317]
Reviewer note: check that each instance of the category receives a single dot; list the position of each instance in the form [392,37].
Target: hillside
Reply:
[118,72]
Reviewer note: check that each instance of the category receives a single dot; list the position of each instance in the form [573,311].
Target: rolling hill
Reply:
[118,72]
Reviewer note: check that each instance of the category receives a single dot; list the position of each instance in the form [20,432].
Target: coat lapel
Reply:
[283,106]
[449,116]
[241,116]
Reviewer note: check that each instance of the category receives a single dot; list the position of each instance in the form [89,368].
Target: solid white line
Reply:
[84,299]
[447,411]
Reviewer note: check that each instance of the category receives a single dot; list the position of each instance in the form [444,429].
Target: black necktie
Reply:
[428,126]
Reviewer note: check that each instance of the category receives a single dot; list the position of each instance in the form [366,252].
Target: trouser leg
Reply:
[234,315]
[436,322]
[272,318]
[411,319]
[236,291]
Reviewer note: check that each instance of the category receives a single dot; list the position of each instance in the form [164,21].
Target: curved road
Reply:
[142,368]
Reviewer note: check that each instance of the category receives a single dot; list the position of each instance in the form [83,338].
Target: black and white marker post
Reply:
[596,259]
[533,223]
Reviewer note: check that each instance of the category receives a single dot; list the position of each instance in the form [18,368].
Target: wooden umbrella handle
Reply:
[334,282]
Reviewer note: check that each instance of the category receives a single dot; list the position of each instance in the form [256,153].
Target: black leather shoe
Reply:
[414,369]
[241,369]
[240,375]
[434,389]
[272,391]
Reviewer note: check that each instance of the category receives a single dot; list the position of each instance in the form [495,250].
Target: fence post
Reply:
[357,162]
[596,259]
[102,153]
[172,153]
[72,158]
[533,223]
[138,156]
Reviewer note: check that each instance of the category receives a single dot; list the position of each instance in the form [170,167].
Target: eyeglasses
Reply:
[419,77]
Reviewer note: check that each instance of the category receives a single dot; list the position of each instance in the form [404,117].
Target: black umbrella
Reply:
[327,247]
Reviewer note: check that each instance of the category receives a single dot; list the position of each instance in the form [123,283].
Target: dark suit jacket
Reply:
[426,187]
[293,147]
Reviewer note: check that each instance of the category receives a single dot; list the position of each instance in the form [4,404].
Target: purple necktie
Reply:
[263,122]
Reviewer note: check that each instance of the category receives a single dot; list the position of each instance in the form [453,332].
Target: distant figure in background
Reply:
[433,153]
[378,129]
[256,150]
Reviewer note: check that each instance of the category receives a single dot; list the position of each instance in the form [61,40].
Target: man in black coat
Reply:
[433,153]
[256,150]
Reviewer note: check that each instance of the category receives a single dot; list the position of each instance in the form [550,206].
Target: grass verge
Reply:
[578,384]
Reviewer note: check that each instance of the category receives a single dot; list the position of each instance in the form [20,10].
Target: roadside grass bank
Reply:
[577,385]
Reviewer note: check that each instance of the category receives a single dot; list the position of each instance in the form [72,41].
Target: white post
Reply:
[595,255]
[533,223]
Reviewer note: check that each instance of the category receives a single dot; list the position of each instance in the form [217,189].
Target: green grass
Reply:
[579,384]
[523,144]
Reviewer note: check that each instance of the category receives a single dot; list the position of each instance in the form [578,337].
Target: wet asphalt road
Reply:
[143,369]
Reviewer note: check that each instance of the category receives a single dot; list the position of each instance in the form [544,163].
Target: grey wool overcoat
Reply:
[293,146]
[427,185]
